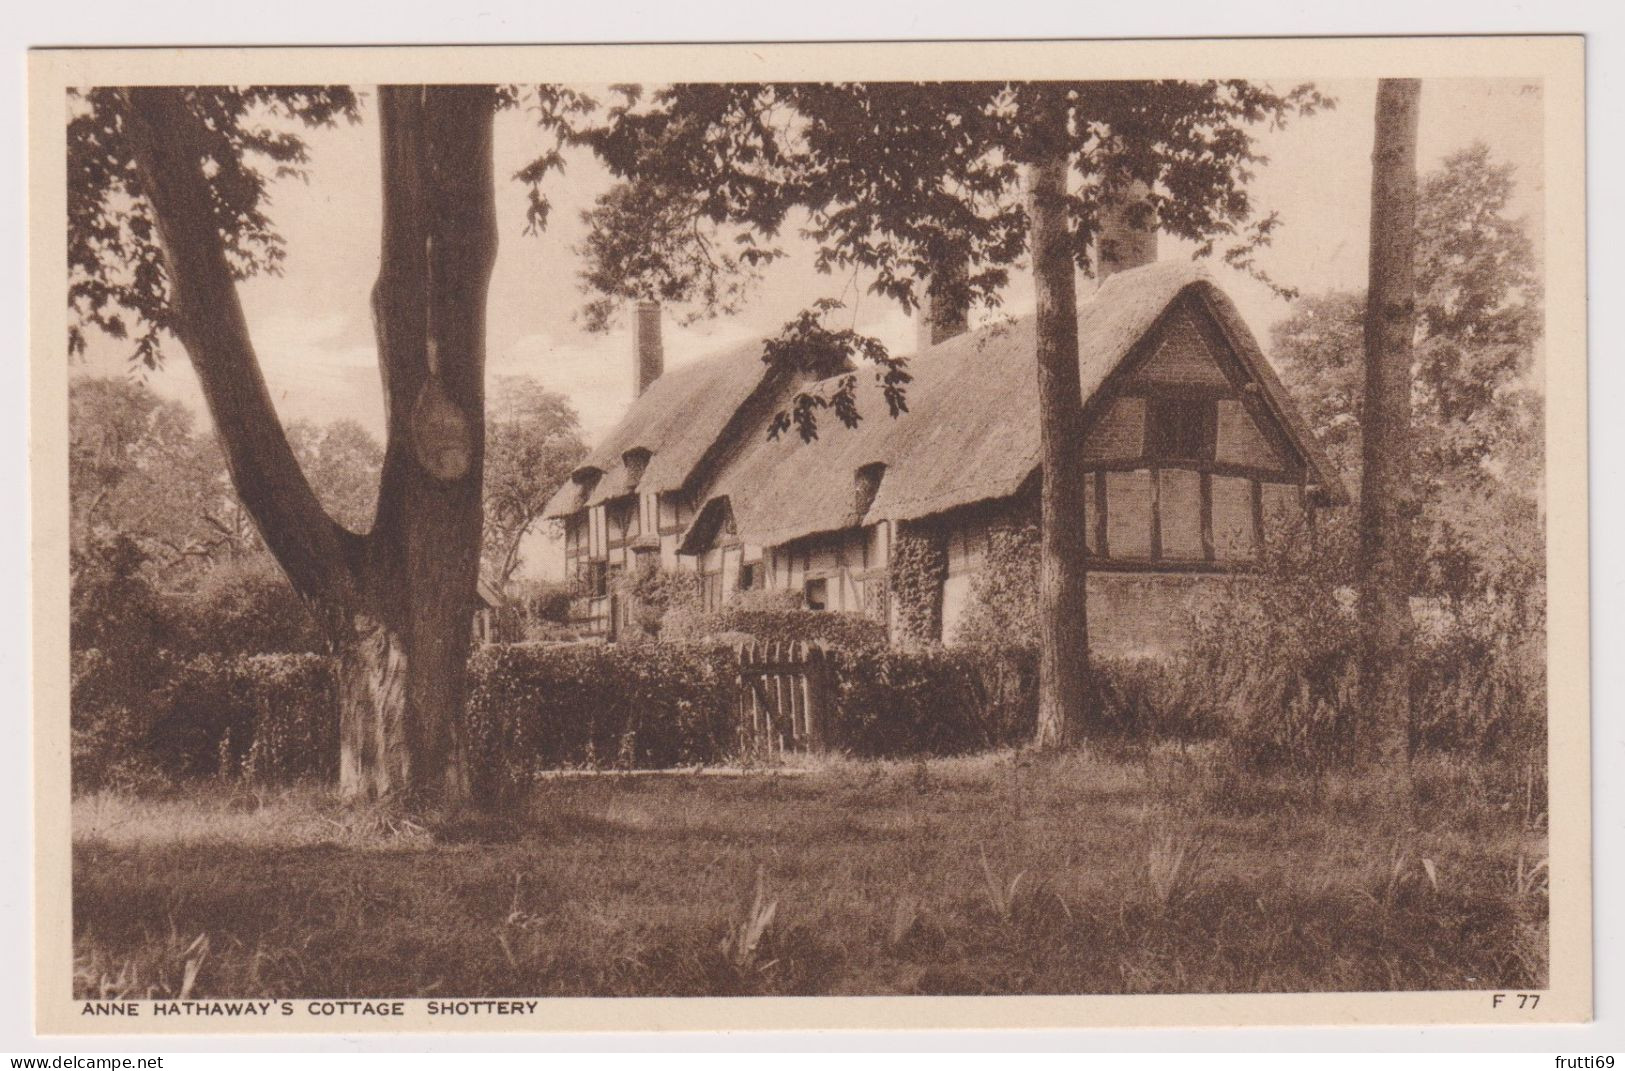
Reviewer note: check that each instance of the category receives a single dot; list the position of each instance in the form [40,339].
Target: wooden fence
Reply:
[784,693]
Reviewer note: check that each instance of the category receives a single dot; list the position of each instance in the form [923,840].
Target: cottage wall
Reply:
[841,568]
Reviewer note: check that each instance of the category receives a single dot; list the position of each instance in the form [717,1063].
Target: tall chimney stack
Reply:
[941,317]
[1128,233]
[648,354]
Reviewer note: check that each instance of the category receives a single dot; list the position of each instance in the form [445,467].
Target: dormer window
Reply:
[866,485]
[635,461]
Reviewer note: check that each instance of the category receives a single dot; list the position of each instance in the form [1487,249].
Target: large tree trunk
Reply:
[397,603]
[1386,512]
[1063,634]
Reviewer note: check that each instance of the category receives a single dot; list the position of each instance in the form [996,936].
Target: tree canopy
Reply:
[532,444]
[916,185]
[1477,429]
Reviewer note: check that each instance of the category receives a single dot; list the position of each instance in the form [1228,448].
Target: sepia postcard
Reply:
[786,537]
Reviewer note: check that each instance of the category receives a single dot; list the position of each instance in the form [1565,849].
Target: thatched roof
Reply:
[676,420]
[971,431]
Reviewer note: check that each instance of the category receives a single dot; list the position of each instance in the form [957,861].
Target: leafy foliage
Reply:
[939,701]
[245,607]
[647,242]
[532,443]
[662,600]
[1003,600]
[806,344]
[137,468]
[116,278]
[782,624]
[1477,421]
[343,462]
[919,565]
[535,707]
[904,180]
[262,717]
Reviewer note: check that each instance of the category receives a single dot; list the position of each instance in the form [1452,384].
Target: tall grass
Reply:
[1172,871]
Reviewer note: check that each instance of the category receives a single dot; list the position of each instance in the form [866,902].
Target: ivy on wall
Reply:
[919,566]
[1003,601]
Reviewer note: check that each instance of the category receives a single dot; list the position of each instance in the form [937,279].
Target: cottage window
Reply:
[620,520]
[1180,429]
[595,579]
[817,593]
[747,575]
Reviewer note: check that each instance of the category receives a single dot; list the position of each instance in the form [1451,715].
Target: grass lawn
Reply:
[1161,872]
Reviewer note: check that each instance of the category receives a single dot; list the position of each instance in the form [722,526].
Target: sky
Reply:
[312,325]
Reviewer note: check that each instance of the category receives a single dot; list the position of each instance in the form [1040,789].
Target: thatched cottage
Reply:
[1192,447]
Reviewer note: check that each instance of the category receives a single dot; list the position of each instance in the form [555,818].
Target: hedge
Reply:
[266,717]
[891,703]
[531,707]
[534,707]
[650,706]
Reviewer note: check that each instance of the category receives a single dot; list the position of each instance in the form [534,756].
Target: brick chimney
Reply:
[939,319]
[1122,243]
[648,355]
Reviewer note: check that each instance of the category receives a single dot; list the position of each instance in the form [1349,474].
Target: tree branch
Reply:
[311,548]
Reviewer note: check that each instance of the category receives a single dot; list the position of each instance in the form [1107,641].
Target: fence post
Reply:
[813,680]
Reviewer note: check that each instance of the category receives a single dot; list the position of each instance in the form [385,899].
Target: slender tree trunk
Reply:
[1386,507]
[1063,634]
[398,603]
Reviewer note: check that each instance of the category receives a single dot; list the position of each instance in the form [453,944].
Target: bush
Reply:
[274,718]
[113,606]
[1480,695]
[244,608]
[533,707]
[111,712]
[264,717]
[659,599]
[936,701]
[1275,664]
[774,616]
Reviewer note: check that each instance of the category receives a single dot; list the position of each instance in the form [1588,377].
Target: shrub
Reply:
[533,707]
[1150,699]
[774,616]
[265,717]
[937,701]
[1270,660]
[244,608]
[657,596]
[829,627]
[1275,664]
[110,715]
[1479,694]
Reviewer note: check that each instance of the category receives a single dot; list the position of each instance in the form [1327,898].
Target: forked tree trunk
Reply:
[1385,485]
[397,603]
[1063,633]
